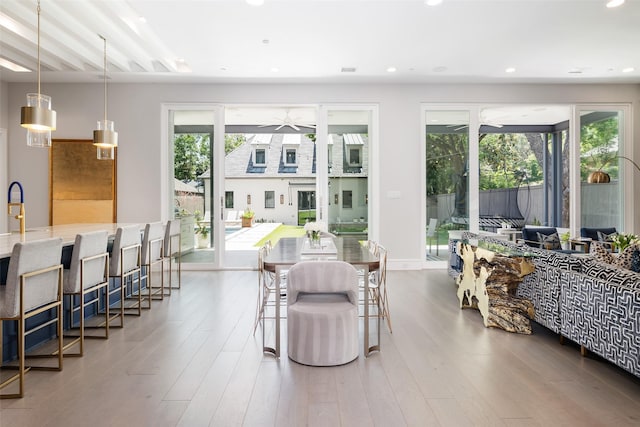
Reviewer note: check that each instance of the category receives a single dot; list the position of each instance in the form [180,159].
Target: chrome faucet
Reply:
[20,215]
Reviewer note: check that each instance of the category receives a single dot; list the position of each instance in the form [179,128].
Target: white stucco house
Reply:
[274,175]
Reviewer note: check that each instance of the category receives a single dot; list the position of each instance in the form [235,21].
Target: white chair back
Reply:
[125,237]
[43,288]
[152,243]
[322,277]
[86,245]
[172,231]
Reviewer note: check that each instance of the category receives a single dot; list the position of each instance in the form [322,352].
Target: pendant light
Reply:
[105,138]
[38,117]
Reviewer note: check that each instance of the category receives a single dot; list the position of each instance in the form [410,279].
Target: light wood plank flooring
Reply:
[192,361]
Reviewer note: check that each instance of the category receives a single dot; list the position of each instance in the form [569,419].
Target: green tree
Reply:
[233,141]
[446,165]
[599,147]
[191,155]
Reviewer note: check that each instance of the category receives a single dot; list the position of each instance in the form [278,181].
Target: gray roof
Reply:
[182,187]
[240,162]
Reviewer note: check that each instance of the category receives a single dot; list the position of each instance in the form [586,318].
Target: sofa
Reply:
[594,304]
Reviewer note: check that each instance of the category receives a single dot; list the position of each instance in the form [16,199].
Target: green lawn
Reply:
[280,232]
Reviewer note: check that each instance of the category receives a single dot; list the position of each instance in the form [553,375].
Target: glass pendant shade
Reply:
[39,120]
[105,138]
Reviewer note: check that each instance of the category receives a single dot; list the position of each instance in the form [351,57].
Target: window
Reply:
[261,156]
[269,199]
[290,156]
[354,156]
[228,199]
[347,199]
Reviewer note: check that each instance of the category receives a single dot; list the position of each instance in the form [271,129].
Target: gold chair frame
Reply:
[171,255]
[98,288]
[155,292]
[22,332]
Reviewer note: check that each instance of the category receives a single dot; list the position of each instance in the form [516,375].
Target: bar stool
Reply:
[34,286]
[173,250]
[152,255]
[124,269]
[88,274]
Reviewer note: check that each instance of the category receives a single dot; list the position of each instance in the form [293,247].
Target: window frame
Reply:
[228,196]
[272,198]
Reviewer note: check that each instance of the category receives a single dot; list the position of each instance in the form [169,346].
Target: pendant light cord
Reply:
[104,77]
[38,9]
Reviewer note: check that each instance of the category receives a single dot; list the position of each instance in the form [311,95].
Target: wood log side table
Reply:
[489,282]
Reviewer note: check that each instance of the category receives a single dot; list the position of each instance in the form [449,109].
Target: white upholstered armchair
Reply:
[322,313]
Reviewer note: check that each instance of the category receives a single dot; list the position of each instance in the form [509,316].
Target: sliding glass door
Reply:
[191,136]
[348,159]
[604,174]
[448,184]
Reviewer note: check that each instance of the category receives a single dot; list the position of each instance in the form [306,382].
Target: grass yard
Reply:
[280,232]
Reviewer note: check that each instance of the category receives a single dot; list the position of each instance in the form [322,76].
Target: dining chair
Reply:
[86,280]
[124,270]
[433,232]
[378,287]
[322,313]
[267,287]
[173,252]
[33,287]
[152,256]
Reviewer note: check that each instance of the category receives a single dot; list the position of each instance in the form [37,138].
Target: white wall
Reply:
[4,164]
[135,108]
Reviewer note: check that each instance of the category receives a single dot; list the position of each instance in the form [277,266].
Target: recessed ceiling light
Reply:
[274,69]
[510,70]
[432,2]
[5,63]
[255,2]
[440,69]
[182,66]
[628,70]
[614,3]
[391,70]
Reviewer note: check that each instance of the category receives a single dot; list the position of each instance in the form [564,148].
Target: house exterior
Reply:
[275,176]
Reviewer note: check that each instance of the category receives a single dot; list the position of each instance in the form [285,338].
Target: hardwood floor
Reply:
[192,361]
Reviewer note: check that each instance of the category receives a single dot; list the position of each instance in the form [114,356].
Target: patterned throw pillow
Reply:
[625,259]
[601,253]
[635,260]
[550,241]
[606,237]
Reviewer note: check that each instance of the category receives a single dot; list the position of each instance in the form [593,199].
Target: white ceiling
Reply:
[465,41]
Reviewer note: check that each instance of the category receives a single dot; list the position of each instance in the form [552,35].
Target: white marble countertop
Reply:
[68,233]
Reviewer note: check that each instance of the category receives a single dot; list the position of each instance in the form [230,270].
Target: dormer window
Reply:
[353,152]
[290,157]
[260,144]
[354,157]
[290,144]
[261,157]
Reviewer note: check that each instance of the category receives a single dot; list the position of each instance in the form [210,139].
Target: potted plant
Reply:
[247,217]
[202,235]
[621,240]
[313,230]
[564,240]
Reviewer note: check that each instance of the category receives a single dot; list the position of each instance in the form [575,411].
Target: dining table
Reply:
[290,250]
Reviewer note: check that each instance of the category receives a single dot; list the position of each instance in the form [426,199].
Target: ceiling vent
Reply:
[348,69]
